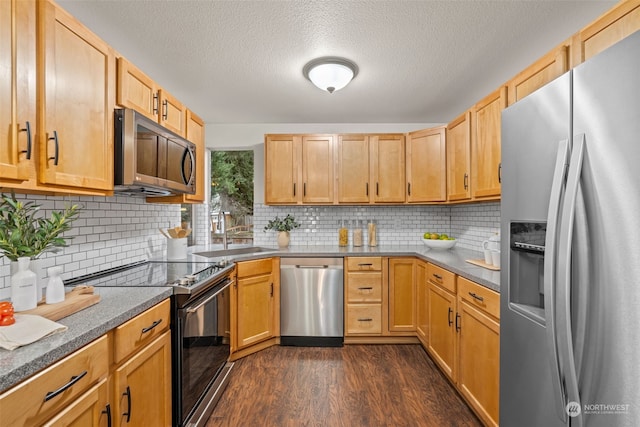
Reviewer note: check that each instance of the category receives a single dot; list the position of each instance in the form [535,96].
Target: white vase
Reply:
[23,287]
[37,266]
[55,286]
[283,239]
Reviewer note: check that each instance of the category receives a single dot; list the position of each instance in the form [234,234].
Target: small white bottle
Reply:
[55,286]
[24,291]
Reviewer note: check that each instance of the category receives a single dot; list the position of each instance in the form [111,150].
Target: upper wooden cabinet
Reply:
[459,158]
[138,91]
[485,145]
[538,74]
[387,154]
[17,90]
[618,23]
[299,169]
[75,83]
[353,168]
[426,166]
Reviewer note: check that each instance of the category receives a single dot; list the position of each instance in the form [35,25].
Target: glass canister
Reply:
[372,232]
[357,232]
[343,232]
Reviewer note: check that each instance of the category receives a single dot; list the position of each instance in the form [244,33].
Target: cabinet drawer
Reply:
[364,264]
[141,330]
[254,268]
[364,287]
[479,296]
[61,384]
[441,277]
[364,319]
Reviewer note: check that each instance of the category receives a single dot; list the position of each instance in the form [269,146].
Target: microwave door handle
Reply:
[186,153]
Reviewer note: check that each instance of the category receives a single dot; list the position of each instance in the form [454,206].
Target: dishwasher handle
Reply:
[312,266]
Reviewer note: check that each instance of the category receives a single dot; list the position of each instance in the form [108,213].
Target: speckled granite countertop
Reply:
[117,305]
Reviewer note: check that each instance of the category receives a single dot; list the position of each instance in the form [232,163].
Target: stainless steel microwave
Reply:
[150,160]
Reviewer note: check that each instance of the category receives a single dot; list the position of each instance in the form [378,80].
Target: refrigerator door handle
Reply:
[563,307]
[551,241]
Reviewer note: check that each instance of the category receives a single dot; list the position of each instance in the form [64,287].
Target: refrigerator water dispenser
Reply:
[526,269]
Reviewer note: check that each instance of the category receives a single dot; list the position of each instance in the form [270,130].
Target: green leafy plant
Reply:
[286,224]
[23,233]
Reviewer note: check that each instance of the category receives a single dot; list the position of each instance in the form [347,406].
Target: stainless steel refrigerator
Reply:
[570,282]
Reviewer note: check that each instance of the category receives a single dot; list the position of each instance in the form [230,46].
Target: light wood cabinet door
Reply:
[353,168]
[479,361]
[422,303]
[427,166]
[402,295]
[282,173]
[388,168]
[616,24]
[136,90]
[76,103]
[91,409]
[172,113]
[485,145]
[459,158]
[195,134]
[17,91]
[442,329]
[317,169]
[548,68]
[142,386]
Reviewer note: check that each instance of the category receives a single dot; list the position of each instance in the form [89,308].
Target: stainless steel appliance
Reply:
[200,328]
[150,160]
[311,302]
[570,294]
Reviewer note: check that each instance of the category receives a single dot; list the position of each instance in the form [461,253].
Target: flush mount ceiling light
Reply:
[330,73]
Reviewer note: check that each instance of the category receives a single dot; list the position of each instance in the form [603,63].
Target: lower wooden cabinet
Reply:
[91,409]
[402,295]
[422,303]
[363,296]
[442,329]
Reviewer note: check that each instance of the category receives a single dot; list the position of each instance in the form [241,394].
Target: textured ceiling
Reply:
[236,62]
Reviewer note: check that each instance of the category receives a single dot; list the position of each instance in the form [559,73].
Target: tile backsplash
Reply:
[109,232]
[396,225]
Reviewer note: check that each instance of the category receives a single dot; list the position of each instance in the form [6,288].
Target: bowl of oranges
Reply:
[438,241]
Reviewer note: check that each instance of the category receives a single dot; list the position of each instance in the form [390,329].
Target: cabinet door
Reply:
[618,23]
[143,386]
[195,134]
[427,166]
[458,158]
[76,126]
[538,74]
[136,90]
[485,147]
[422,303]
[402,295]
[388,168]
[90,409]
[17,90]
[282,157]
[442,333]
[172,113]
[353,169]
[317,168]
[479,361]
[255,309]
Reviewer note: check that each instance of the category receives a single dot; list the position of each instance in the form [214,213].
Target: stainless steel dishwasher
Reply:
[311,302]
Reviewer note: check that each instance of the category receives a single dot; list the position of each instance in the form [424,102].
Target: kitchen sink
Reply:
[234,251]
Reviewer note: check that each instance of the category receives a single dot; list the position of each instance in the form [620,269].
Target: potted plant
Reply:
[283,227]
[24,233]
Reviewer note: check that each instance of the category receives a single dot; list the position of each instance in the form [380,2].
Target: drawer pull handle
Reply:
[50,395]
[458,326]
[366,288]
[437,276]
[128,413]
[478,297]
[449,316]
[365,264]
[107,410]
[153,325]
[366,319]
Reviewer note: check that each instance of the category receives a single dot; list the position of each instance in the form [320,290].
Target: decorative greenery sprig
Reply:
[286,224]
[23,234]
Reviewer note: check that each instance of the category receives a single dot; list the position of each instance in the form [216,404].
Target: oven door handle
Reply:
[209,298]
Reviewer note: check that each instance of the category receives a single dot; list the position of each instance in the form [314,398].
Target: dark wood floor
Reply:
[355,385]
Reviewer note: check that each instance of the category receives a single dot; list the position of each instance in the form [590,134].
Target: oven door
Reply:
[202,347]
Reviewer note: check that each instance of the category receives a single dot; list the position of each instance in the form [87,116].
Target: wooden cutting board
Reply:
[481,263]
[78,299]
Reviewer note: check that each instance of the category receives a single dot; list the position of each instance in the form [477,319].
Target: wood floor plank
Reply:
[354,385]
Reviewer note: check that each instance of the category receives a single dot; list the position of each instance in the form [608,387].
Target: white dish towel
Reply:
[28,328]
